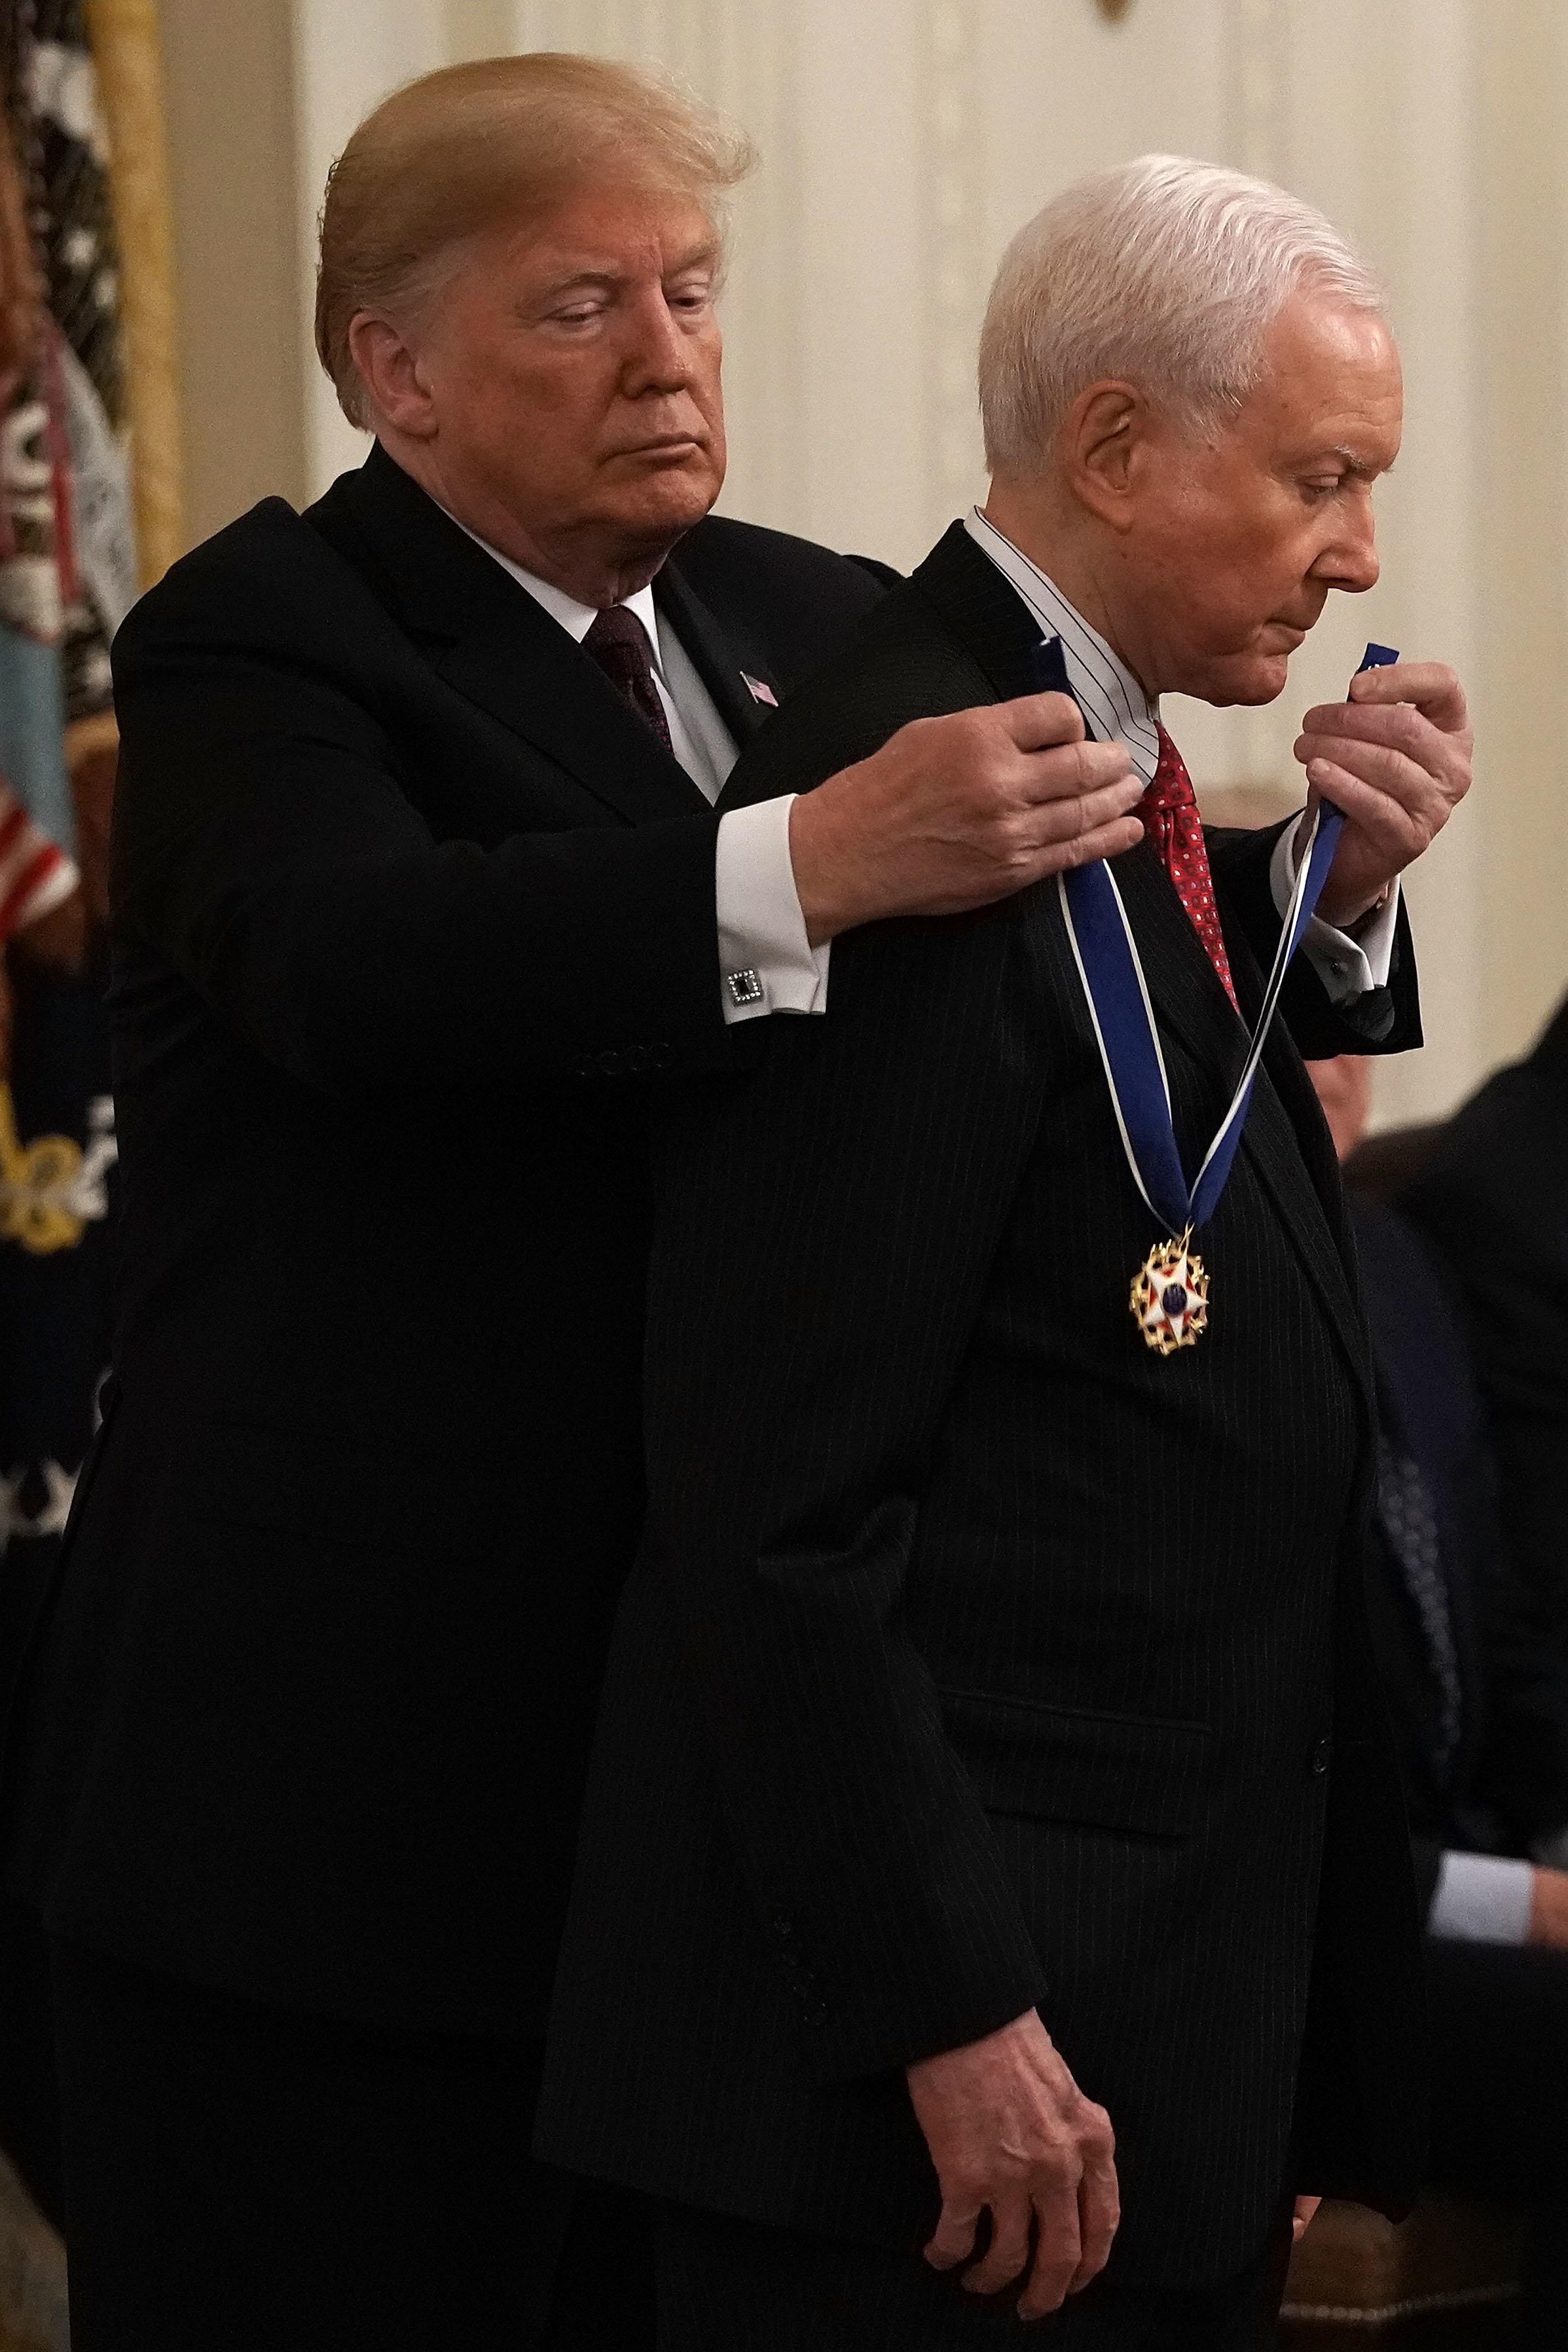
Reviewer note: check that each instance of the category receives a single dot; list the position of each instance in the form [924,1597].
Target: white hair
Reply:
[1165,273]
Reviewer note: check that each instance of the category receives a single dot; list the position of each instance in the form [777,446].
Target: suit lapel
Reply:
[542,686]
[1283,1144]
[489,639]
[722,665]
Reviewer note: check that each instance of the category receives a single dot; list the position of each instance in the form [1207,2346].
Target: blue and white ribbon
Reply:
[1124,1029]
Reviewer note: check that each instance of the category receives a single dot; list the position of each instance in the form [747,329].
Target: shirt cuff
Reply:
[1347,962]
[767,964]
[1481,1898]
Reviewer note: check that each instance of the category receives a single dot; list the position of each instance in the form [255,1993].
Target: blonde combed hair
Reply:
[1164,272]
[448,155]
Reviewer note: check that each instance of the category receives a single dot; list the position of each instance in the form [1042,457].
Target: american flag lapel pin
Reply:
[760,691]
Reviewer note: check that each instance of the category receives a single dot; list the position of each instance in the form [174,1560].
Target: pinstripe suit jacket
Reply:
[978,1657]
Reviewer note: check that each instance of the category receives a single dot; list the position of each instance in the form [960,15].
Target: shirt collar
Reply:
[574,618]
[1114,704]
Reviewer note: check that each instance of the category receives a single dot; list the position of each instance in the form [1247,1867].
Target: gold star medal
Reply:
[1170,1297]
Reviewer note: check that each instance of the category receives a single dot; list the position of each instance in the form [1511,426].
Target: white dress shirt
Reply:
[1116,708]
[1485,1898]
[762,943]
[1481,1898]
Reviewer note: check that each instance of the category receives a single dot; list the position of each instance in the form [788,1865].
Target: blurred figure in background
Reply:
[1492,1200]
[1480,1698]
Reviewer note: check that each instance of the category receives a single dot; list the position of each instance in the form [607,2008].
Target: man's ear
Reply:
[390,371]
[1101,439]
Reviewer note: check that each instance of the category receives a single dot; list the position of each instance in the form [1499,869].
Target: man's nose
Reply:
[1350,561]
[659,357]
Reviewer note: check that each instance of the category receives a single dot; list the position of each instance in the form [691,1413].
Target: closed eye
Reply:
[691,297]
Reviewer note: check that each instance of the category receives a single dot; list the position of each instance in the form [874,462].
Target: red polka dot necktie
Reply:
[618,641]
[1168,815]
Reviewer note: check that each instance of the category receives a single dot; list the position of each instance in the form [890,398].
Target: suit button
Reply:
[636,1057]
[1323,1757]
[583,1065]
[660,1055]
[611,1064]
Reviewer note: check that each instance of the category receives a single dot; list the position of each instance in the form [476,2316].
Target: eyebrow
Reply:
[1354,462]
[693,259]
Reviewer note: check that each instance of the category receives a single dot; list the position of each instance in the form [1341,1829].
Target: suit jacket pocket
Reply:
[341,1489]
[1125,1772]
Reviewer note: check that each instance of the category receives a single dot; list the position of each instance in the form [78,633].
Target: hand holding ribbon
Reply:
[1394,758]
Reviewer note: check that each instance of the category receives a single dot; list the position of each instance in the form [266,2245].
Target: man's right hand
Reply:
[1549,1908]
[1010,2129]
[953,812]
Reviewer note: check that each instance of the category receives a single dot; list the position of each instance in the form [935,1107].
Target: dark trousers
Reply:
[725,2285]
[1499,2100]
[240,2177]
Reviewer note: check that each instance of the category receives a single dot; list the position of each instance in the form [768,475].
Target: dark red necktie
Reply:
[1168,815]
[619,643]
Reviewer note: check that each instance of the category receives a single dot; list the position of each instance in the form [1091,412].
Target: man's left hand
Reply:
[1549,1908]
[1395,758]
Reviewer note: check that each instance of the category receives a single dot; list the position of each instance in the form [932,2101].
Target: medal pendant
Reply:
[1170,1297]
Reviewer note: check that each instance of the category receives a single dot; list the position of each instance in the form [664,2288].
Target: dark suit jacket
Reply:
[975,1657]
[1493,1199]
[410,909]
[1508,1781]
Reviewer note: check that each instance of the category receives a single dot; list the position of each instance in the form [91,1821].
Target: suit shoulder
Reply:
[267,582]
[1498,1157]
[901,654]
[898,663]
[724,559]
[256,545]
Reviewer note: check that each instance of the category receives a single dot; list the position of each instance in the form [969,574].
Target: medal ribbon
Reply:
[1118,998]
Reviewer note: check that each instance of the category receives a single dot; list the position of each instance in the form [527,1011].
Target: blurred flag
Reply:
[67,552]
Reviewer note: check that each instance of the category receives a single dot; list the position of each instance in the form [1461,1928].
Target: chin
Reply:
[1249,678]
[666,511]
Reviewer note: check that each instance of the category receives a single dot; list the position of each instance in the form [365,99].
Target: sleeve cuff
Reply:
[767,964]
[1347,962]
[1481,1898]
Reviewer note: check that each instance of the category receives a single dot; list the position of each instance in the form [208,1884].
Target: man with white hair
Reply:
[419,902]
[993,1840]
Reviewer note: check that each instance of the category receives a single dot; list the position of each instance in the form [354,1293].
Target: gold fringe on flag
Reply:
[124,39]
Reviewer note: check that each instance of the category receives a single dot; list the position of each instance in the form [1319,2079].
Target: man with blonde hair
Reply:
[421,905]
[994,1841]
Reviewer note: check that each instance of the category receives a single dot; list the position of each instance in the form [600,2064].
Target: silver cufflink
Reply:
[745,987]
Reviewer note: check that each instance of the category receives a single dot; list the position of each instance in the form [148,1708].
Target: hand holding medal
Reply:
[1170,1290]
